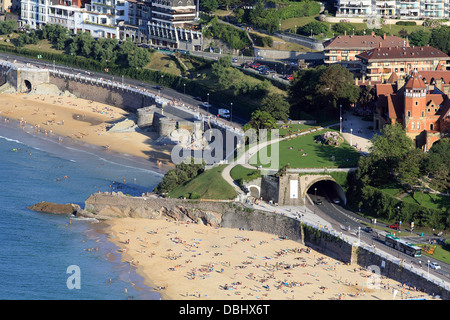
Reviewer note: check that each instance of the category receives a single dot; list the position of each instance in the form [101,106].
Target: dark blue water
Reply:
[36,249]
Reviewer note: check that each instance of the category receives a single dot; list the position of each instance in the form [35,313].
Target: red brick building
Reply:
[420,103]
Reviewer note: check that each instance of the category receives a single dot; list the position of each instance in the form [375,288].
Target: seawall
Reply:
[234,215]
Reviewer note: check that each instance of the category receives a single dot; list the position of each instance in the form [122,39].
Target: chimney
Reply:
[447,90]
[384,36]
[345,32]
[373,33]
[379,44]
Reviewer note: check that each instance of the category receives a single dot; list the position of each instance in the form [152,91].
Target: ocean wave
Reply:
[11,140]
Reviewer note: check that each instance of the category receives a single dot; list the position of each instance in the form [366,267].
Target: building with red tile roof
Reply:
[344,48]
[422,107]
[380,63]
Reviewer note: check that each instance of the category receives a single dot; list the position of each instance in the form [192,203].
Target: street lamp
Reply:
[207,97]
[184,88]
[231,113]
[351,136]
[315,194]
[340,118]
[428,276]
[359,236]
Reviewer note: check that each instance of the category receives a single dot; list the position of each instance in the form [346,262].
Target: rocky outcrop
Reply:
[119,205]
[50,207]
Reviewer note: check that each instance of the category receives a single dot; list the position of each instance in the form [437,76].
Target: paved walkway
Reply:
[361,134]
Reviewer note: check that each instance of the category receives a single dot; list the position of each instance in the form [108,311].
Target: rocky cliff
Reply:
[153,207]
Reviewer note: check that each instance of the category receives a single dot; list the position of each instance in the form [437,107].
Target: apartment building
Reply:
[96,17]
[380,63]
[166,23]
[405,9]
[343,49]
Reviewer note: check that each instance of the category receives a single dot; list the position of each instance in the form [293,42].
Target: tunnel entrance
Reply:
[27,85]
[327,190]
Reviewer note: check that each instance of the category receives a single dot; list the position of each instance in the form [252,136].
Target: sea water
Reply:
[37,250]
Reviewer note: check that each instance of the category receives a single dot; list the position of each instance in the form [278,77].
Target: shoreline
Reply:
[188,261]
[114,256]
[78,123]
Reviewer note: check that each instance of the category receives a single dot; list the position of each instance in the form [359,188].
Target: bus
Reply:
[402,246]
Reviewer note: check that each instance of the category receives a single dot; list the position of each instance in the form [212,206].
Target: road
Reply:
[342,219]
[165,92]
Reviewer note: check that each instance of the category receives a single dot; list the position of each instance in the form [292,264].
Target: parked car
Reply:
[318,202]
[205,105]
[336,200]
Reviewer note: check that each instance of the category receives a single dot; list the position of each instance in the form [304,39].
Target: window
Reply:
[431,127]
[413,125]
[418,125]
[409,113]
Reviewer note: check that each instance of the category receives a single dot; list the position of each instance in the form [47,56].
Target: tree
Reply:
[320,90]
[277,106]
[419,38]
[314,27]
[386,153]
[209,5]
[7,27]
[262,120]
[411,167]
[336,84]
[139,58]
[343,27]
[440,39]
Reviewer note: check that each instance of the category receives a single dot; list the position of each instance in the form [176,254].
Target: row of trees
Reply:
[438,38]
[107,51]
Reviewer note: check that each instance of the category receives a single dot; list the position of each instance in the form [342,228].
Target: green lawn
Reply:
[164,63]
[207,185]
[317,156]
[440,254]
[442,202]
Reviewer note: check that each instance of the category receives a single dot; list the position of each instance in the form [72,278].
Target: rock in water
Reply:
[50,207]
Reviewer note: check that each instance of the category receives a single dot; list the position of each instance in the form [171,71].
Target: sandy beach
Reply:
[73,119]
[197,262]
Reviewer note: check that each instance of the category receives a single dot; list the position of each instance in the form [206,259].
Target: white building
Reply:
[405,9]
[97,18]
[168,23]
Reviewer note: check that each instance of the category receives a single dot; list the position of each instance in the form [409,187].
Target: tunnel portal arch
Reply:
[328,185]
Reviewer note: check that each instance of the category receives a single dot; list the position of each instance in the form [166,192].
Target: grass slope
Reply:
[207,185]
